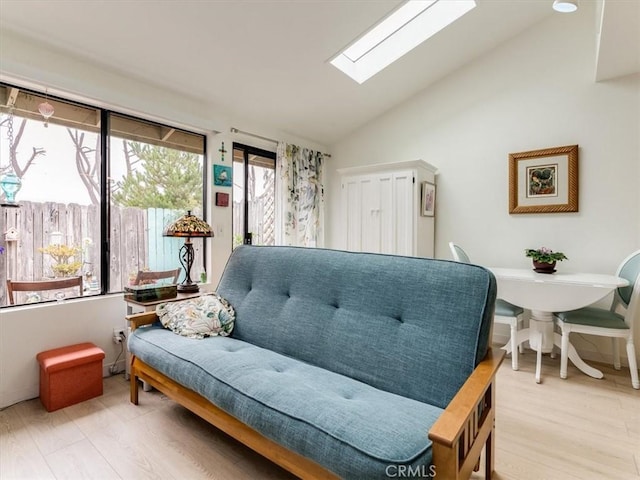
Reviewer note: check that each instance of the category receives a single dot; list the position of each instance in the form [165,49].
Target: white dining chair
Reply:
[505,312]
[608,322]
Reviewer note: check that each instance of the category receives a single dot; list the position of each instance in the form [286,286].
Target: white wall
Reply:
[25,331]
[535,91]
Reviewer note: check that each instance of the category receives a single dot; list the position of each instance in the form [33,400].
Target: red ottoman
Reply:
[70,375]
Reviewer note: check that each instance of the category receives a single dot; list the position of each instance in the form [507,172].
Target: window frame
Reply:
[250,150]
[105,114]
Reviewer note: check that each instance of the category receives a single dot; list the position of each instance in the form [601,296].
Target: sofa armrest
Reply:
[140,319]
[467,424]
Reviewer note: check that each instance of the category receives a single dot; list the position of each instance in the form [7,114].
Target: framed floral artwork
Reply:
[544,181]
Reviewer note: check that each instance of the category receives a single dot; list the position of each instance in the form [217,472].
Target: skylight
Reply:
[406,28]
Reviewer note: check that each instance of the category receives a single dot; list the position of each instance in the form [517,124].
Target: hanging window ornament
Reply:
[10,183]
[46,110]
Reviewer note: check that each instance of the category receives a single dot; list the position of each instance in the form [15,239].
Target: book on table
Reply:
[146,293]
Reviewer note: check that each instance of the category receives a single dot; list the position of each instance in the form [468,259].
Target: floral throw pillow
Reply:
[204,316]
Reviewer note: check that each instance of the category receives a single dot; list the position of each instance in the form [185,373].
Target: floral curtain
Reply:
[300,195]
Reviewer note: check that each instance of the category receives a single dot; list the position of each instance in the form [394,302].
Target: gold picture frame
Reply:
[544,181]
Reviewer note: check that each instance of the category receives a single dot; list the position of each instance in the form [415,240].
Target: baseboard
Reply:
[592,354]
[10,398]
[121,366]
[500,340]
[605,358]
[6,400]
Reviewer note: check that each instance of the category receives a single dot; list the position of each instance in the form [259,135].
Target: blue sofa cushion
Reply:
[506,309]
[416,327]
[351,428]
[594,317]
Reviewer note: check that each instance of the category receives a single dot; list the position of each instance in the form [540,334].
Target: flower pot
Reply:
[542,267]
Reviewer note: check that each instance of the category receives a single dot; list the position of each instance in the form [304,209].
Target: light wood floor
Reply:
[570,429]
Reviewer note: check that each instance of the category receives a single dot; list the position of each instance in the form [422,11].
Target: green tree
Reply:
[163,178]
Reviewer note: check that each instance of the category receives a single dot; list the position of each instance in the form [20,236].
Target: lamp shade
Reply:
[189,226]
[565,6]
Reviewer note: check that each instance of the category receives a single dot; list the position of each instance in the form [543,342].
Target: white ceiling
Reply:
[264,60]
[618,46]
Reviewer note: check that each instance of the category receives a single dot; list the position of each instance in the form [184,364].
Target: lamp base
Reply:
[188,288]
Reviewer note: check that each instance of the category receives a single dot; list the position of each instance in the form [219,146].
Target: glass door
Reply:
[254,213]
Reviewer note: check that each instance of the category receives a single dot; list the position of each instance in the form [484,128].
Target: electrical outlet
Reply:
[118,335]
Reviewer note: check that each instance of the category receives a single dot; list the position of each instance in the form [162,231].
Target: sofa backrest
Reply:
[412,326]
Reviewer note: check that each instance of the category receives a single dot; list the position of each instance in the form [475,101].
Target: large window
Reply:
[97,189]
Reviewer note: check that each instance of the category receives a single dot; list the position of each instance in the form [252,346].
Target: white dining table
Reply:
[544,294]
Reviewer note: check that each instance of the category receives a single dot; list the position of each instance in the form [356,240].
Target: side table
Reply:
[544,294]
[147,307]
[151,304]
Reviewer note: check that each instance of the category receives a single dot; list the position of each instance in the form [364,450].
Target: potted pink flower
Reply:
[544,259]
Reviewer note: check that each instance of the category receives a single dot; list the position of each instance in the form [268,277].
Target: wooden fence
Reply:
[135,240]
[261,220]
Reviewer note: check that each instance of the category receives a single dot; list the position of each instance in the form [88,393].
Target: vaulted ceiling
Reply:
[268,60]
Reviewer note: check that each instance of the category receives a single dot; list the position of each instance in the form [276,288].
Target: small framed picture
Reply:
[428,199]
[222,176]
[222,199]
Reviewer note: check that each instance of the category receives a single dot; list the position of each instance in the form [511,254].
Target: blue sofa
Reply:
[348,365]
